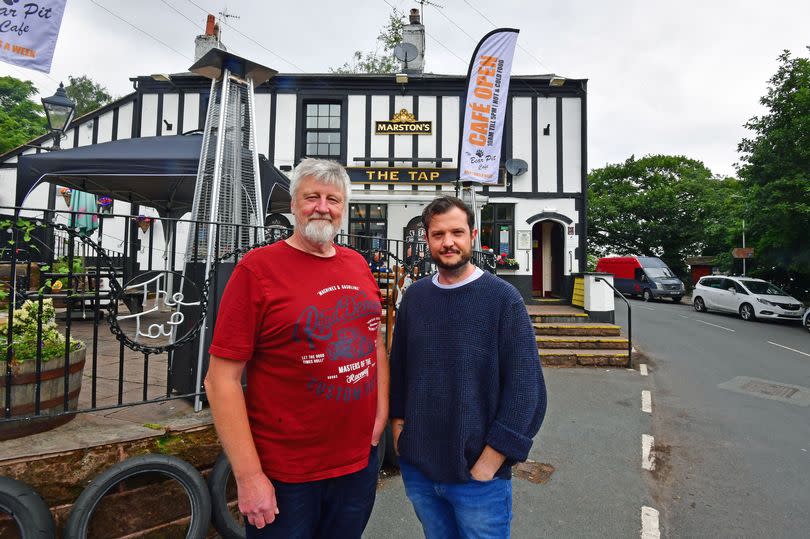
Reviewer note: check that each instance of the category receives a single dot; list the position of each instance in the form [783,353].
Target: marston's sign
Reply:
[417,176]
[403,123]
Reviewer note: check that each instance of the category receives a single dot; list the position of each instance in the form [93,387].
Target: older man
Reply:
[302,316]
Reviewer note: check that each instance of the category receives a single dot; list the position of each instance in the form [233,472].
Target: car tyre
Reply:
[676,299]
[181,471]
[699,305]
[224,522]
[747,312]
[647,295]
[27,509]
[807,321]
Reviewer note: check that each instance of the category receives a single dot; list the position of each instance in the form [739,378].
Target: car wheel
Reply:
[807,321]
[647,296]
[747,312]
[676,299]
[698,304]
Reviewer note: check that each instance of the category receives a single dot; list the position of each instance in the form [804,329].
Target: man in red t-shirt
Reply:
[302,316]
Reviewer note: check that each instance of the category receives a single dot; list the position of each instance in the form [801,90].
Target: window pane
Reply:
[334,149]
[312,149]
[323,110]
[378,211]
[323,149]
[334,110]
[353,211]
[323,123]
[334,123]
[312,110]
[312,123]
[486,213]
[501,211]
[312,137]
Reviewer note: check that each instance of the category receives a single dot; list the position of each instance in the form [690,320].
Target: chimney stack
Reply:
[414,33]
[209,40]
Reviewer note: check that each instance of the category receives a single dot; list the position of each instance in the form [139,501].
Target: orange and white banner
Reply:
[479,153]
[28,32]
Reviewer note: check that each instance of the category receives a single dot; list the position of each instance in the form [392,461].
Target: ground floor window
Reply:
[368,226]
[498,229]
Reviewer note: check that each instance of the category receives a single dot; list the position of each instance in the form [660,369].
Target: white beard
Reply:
[319,231]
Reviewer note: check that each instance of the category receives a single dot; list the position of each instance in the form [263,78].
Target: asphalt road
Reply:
[732,453]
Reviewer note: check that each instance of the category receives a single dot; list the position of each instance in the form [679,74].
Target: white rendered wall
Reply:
[572,144]
[547,151]
[285,130]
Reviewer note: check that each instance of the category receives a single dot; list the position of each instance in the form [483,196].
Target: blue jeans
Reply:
[480,510]
[336,507]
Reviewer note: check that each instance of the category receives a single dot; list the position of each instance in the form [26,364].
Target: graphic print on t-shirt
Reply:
[340,330]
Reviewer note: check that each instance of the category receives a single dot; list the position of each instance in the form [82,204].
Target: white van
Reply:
[750,298]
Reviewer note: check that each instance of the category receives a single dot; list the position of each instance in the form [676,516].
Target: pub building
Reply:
[398,136]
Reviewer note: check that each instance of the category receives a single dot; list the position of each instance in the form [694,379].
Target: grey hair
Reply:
[324,171]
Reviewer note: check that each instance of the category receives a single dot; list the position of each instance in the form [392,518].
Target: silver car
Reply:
[750,298]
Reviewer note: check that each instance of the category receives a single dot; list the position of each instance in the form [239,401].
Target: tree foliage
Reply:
[87,94]
[379,61]
[21,118]
[775,169]
[660,205]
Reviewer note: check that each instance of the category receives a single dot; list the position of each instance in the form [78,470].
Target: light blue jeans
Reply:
[474,510]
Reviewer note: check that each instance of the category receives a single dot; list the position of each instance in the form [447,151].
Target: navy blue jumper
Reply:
[465,373]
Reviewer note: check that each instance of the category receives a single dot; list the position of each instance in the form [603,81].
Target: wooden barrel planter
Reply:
[52,391]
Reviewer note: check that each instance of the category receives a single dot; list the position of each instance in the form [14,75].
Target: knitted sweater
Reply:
[465,373]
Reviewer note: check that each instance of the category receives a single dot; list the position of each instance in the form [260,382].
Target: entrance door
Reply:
[537,260]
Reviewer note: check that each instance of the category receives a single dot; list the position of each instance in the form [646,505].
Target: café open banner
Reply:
[28,32]
[485,108]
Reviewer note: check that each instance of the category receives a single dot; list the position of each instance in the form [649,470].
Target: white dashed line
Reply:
[647,458]
[648,308]
[683,316]
[642,368]
[649,523]
[714,325]
[788,348]
[646,402]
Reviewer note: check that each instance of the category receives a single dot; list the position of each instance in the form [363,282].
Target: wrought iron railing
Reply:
[119,308]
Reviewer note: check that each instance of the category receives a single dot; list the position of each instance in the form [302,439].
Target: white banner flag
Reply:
[28,32]
[479,153]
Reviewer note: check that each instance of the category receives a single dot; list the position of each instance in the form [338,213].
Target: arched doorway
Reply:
[548,259]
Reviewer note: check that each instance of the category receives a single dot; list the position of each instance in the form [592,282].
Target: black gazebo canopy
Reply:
[159,172]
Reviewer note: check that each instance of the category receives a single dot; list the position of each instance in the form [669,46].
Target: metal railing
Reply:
[135,276]
[629,321]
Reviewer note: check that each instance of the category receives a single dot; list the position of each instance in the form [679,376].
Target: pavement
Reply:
[592,438]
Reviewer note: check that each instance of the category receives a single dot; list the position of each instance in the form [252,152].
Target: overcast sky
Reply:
[664,77]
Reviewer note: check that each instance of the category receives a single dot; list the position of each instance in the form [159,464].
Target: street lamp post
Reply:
[59,110]
[744,252]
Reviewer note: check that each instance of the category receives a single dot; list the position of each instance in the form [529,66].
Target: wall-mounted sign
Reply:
[524,239]
[571,230]
[403,176]
[403,123]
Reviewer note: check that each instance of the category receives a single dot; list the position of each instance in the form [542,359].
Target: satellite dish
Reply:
[406,52]
[516,167]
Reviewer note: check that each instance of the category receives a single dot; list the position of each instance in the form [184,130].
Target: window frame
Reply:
[495,231]
[302,129]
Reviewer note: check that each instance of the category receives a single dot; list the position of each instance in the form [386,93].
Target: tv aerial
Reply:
[424,3]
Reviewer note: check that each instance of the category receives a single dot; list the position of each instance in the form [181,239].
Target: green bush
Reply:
[24,342]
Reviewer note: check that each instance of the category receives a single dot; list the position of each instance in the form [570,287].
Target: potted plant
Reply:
[105,204]
[504,262]
[59,283]
[26,344]
[143,222]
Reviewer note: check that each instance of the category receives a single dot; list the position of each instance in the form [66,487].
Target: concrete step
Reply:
[581,328]
[561,318]
[581,342]
[583,358]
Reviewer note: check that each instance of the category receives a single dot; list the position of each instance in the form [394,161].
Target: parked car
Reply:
[750,298]
[645,276]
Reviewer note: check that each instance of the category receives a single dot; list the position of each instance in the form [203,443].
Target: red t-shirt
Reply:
[307,327]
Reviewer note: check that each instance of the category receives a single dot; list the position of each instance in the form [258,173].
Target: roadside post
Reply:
[599,304]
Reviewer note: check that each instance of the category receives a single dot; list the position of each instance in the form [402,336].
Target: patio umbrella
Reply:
[85,220]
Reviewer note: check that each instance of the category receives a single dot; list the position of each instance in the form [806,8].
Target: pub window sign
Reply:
[403,123]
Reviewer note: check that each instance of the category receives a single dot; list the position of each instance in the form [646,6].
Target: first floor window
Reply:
[498,229]
[322,130]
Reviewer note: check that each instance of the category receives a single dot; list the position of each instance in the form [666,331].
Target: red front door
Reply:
[537,259]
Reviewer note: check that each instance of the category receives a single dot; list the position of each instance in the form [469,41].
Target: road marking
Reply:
[642,368]
[714,325]
[647,458]
[646,402]
[788,348]
[683,316]
[648,308]
[649,523]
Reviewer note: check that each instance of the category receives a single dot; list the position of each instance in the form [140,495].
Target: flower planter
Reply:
[52,391]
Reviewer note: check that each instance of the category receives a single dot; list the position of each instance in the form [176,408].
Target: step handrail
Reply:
[629,322]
